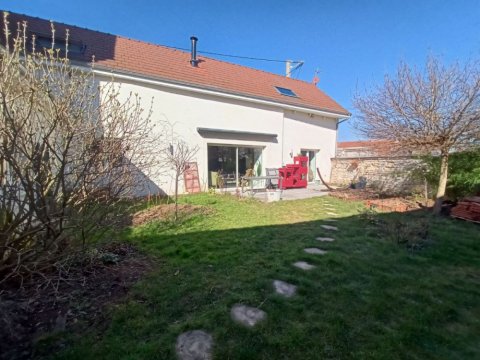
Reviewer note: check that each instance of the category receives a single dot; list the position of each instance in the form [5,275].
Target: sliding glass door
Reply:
[227,164]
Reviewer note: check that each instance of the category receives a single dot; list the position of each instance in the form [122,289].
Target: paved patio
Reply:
[312,190]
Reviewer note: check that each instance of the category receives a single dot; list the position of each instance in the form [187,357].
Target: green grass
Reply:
[367,298]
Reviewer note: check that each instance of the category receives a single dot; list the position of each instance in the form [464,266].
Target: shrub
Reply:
[66,153]
[464,169]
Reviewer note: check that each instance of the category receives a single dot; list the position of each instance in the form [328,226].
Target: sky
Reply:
[352,43]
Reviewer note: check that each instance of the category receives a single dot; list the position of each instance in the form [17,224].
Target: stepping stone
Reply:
[303,265]
[328,227]
[194,345]
[247,315]
[330,220]
[329,239]
[315,251]
[283,288]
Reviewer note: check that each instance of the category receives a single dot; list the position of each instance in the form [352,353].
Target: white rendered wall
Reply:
[188,111]
[310,132]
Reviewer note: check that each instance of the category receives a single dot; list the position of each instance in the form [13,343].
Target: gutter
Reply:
[339,121]
[207,91]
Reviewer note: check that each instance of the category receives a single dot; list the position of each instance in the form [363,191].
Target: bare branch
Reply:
[437,109]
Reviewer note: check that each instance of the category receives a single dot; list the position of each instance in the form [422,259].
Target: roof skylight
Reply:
[285,91]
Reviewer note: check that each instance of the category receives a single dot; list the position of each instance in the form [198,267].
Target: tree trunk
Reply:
[177,176]
[442,185]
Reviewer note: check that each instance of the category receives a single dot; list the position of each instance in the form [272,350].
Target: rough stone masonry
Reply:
[385,174]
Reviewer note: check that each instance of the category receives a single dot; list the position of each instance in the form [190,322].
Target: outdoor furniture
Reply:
[224,180]
[265,179]
[272,183]
[213,178]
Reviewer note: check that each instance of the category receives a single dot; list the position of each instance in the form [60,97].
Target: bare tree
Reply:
[434,110]
[177,157]
[70,151]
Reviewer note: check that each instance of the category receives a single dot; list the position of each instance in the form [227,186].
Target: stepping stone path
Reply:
[194,345]
[303,265]
[315,251]
[197,344]
[329,227]
[329,239]
[247,315]
[283,288]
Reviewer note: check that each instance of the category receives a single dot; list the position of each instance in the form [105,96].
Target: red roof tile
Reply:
[163,63]
[364,144]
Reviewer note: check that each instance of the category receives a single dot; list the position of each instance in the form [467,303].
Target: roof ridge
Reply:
[56,22]
[134,55]
[171,48]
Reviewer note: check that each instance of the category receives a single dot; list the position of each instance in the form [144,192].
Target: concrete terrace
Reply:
[312,190]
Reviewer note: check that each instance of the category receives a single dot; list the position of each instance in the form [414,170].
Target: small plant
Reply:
[408,232]
[370,215]
[178,157]
[109,258]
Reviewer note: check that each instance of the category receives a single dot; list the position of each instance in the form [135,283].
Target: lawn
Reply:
[368,297]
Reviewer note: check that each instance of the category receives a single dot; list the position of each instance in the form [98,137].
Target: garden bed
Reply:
[166,212]
[378,201]
[78,301]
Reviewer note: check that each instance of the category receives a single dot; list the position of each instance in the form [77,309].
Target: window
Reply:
[285,91]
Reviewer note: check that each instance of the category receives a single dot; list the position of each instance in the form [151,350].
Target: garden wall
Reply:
[386,174]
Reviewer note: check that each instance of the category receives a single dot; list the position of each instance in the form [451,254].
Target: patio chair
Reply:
[271,183]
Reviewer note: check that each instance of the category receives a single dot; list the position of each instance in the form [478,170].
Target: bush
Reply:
[464,173]
[71,149]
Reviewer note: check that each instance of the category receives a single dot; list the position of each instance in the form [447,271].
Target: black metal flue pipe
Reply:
[193,60]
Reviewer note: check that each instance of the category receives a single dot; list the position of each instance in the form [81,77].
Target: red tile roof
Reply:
[162,63]
[364,144]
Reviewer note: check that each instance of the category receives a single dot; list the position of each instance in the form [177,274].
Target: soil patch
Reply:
[378,201]
[166,212]
[77,303]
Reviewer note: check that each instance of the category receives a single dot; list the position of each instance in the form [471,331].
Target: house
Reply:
[240,118]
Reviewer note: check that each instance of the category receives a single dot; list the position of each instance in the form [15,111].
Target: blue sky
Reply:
[352,43]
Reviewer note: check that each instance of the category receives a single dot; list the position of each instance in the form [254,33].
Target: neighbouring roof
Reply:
[372,144]
[368,148]
[165,64]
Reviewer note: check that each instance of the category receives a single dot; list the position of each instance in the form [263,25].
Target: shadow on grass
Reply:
[368,296]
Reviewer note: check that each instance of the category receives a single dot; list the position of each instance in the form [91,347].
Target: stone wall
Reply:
[385,174]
